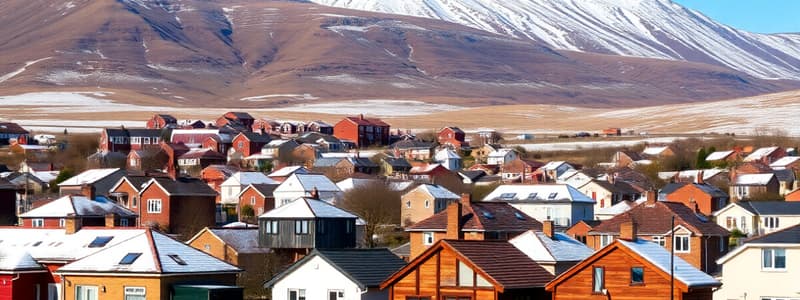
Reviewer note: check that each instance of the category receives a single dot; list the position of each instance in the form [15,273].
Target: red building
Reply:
[159,121]
[97,212]
[173,151]
[237,120]
[453,137]
[124,140]
[12,131]
[364,132]
[259,197]
[215,175]
[248,143]
[182,206]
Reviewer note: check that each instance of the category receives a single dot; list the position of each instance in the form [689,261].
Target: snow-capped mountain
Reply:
[644,28]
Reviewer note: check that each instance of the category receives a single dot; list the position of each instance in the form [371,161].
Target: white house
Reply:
[305,185]
[449,159]
[553,170]
[230,188]
[758,217]
[338,274]
[763,268]
[501,156]
[561,203]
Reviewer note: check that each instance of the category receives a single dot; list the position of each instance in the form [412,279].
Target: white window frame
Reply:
[301,227]
[771,222]
[62,223]
[253,200]
[428,238]
[772,252]
[123,222]
[301,294]
[136,292]
[427,203]
[686,247]
[38,222]
[606,239]
[88,289]
[660,240]
[339,294]
[271,227]
[152,204]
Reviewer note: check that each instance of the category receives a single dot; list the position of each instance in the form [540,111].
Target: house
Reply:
[124,140]
[360,182]
[334,167]
[147,265]
[697,239]
[574,178]
[501,156]
[248,143]
[722,157]
[786,163]
[339,274]
[766,155]
[258,196]
[614,131]
[413,150]
[8,203]
[305,224]
[452,137]
[305,185]
[633,268]
[239,247]
[153,159]
[471,177]
[520,170]
[471,221]
[625,158]
[581,229]
[291,128]
[758,217]
[552,171]
[324,142]
[215,175]
[787,180]
[364,132]
[193,162]
[606,213]
[33,183]
[747,186]
[561,203]
[182,206]
[159,121]
[126,192]
[230,189]
[433,173]
[12,131]
[482,153]
[464,269]
[221,143]
[201,138]
[609,193]
[241,121]
[173,151]
[99,181]
[658,151]
[762,268]
[280,175]
[395,167]
[19,272]
[556,252]
[263,126]
[448,158]
[89,212]
[703,198]
[424,201]
[320,127]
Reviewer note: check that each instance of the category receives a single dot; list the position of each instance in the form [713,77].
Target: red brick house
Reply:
[159,121]
[319,126]
[194,161]
[433,173]
[766,155]
[248,143]
[126,192]
[257,196]
[98,212]
[263,126]
[453,137]
[215,175]
[173,151]
[703,198]
[182,206]
[364,132]
[520,170]
[235,119]
[580,229]
[219,143]
[124,140]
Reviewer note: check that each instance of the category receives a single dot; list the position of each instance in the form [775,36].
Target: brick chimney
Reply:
[628,231]
[361,116]
[699,177]
[87,190]
[72,224]
[652,197]
[610,178]
[314,193]
[110,220]
[548,228]
[454,222]
[466,198]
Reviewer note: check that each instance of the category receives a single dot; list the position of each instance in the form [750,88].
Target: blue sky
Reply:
[761,16]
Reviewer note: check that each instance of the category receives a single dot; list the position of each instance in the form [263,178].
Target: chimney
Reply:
[72,224]
[454,222]
[87,190]
[548,228]
[627,231]
[699,177]
[361,116]
[652,197]
[109,220]
[466,198]
[611,178]
[314,193]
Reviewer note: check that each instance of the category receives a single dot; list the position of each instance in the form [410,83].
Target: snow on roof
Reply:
[56,245]
[351,183]
[615,209]
[287,171]
[307,208]
[760,153]
[78,205]
[784,161]
[88,176]
[245,178]
[14,259]
[707,173]
[537,192]
[719,155]
[438,191]
[660,257]
[318,181]
[275,143]
[446,154]
[46,176]
[541,248]
[552,165]
[753,179]
[401,185]
[654,151]
[500,152]
[239,225]
[424,169]
[157,253]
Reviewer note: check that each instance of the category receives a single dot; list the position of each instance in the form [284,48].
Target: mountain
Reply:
[642,28]
[257,53]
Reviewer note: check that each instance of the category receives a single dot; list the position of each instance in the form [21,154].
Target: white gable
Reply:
[88,177]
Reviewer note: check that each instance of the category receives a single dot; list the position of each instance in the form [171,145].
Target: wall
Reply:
[417,212]
[156,288]
[743,274]
[162,218]
[316,276]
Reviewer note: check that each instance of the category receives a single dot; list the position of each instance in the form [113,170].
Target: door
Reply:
[85,292]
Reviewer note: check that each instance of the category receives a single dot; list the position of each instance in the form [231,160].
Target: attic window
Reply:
[519,216]
[129,258]
[552,196]
[100,241]
[177,259]
[37,243]
[488,215]
[507,195]
[532,196]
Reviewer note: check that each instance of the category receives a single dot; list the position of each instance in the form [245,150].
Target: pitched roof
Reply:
[309,182]
[445,154]
[437,191]
[411,144]
[17,259]
[503,262]
[367,268]
[660,257]
[367,121]
[257,138]
[307,208]
[56,245]
[205,153]
[265,189]
[753,179]
[765,208]
[719,155]
[137,182]
[785,175]
[537,193]
[654,151]
[403,250]
[655,219]
[287,171]
[244,178]
[397,162]
[541,248]
[327,162]
[482,216]
[784,161]
[8,127]
[183,186]
[89,177]
[242,240]
[157,254]
[760,153]
[790,235]
[78,205]
[708,189]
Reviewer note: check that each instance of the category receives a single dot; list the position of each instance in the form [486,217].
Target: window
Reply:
[552,196]
[320,226]
[133,162]
[297,294]
[771,222]
[350,225]
[85,292]
[37,222]
[129,258]
[681,243]
[252,200]
[177,259]
[100,241]
[135,202]
[637,275]
[660,240]
[606,239]
[532,196]
[730,222]
[427,238]
[598,280]
[335,295]
[301,227]
[507,196]
[123,222]
[773,259]
[154,206]
[743,224]
[408,204]
[427,204]
[241,145]
[53,291]
[62,222]
[465,275]
[135,293]
[271,227]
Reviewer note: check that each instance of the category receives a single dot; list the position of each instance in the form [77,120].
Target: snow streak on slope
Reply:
[645,28]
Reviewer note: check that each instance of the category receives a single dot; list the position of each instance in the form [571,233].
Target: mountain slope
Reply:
[643,28]
[245,53]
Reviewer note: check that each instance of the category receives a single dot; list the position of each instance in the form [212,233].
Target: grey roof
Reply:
[397,162]
[327,162]
[185,187]
[403,250]
[761,208]
[789,235]
[409,144]
[785,175]
[362,162]
[243,240]
[257,138]
[367,268]
[473,175]
[265,189]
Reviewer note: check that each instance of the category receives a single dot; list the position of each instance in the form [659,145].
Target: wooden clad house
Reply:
[469,270]
[632,268]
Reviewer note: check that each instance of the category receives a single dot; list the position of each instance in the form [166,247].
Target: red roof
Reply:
[482,216]
[367,121]
[207,154]
[655,219]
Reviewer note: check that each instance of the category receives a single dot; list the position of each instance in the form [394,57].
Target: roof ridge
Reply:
[72,203]
[153,249]
[474,216]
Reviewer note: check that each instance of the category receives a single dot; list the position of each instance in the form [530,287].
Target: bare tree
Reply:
[377,205]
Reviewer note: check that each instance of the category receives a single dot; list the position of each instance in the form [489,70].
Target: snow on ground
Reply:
[568,146]
[293,96]
[64,77]
[20,70]
[343,79]
[70,102]
[373,107]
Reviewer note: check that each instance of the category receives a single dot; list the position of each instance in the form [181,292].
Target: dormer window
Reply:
[532,196]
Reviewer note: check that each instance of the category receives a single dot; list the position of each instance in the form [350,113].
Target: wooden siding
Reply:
[333,234]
